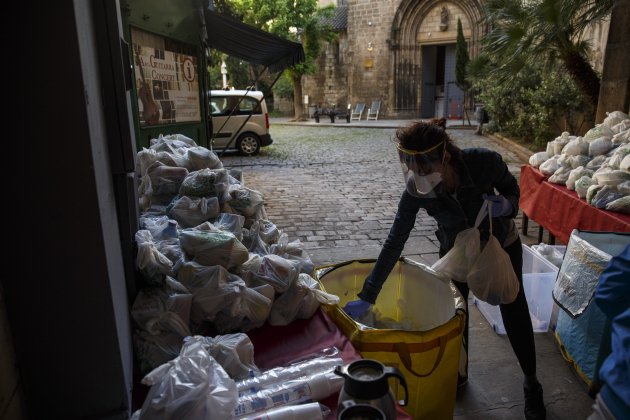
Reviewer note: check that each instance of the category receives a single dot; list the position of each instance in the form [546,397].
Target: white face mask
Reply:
[422,185]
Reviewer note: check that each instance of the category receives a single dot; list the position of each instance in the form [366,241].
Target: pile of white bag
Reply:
[210,257]
[596,166]
[216,378]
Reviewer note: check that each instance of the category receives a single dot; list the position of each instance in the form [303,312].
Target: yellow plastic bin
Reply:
[427,351]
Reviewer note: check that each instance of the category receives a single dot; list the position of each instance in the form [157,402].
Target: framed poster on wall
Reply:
[167,79]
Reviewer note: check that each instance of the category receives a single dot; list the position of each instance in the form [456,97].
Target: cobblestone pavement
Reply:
[337,191]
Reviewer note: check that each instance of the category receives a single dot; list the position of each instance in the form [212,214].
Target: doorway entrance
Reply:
[440,96]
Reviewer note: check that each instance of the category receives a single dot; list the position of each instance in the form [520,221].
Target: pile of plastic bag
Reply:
[210,258]
[216,378]
[596,166]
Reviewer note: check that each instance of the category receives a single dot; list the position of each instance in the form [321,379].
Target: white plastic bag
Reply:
[561,175]
[576,174]
[300,301]
[192,386]
[538,158]
[600,146]
[213,288]
[492,277]
[213,247]
[190,212]
[582,185]
[234,352]
[549,166]
[456,263]
[576,147]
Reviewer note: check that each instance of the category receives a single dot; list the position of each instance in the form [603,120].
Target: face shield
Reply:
[421,169]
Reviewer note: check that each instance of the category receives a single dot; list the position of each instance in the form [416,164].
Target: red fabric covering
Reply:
[560,210]
[278,346]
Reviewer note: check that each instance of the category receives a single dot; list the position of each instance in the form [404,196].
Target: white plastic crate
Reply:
[539,277]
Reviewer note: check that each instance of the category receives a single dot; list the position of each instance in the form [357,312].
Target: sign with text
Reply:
[167,85]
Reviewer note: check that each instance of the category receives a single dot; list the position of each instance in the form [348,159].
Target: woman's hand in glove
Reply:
[501,206]
[357,308]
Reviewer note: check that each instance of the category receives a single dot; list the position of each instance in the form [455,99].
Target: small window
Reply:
[249,104]
[219,106]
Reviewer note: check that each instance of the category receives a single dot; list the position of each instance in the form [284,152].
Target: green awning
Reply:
[251,44]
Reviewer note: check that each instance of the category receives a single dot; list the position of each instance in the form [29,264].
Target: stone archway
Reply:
[422,42]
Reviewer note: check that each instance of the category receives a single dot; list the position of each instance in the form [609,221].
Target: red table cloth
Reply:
[560,210]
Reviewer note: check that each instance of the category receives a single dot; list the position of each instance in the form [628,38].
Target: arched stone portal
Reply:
[422,46]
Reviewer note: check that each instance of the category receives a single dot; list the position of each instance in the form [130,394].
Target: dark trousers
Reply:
[516,320]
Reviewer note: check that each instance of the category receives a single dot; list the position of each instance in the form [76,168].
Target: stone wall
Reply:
[360,65]
[369,28]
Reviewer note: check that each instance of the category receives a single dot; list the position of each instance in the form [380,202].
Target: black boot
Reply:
[534,404]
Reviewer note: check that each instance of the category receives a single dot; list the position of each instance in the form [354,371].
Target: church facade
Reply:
[399,52]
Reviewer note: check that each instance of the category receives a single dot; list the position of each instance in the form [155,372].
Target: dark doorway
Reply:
[440,95]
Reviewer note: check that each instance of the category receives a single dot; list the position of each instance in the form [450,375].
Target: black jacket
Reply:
[480,171]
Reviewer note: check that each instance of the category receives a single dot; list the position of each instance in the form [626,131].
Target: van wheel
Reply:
[248,144]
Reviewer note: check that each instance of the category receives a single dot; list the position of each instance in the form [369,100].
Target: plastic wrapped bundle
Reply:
[202,158]
[605,195]
[620,205]
[576,147]
[150,261]
[595,163]
[293,251]
[231,223]
[538,158]
[600,146]
[550,253]
[279,272]
[622,137]
[614,118]
[174,159]
[300,301]
[192,386]
[578,160]
[560,176]
[190,212]
[165,180]
[561,141]
[592,191]
[611,177]
[213,247]
[576,174]
[582,185]
[204,183]
[549,166]
[268,231]
[292,392]
[214,290]
[172,141]
[252,310]
[161,316]
[281,374]
[234,352]
[597,132]
[245,201]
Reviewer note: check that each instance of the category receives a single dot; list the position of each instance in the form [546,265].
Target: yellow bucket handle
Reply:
[404,350]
